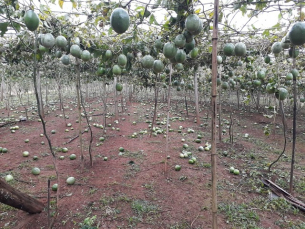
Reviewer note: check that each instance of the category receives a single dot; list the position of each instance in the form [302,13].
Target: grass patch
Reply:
[143,207]
[239,215]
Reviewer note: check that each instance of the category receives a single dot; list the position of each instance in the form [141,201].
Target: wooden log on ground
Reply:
[14,198]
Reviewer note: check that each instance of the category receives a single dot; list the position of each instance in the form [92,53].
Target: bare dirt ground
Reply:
[139,188]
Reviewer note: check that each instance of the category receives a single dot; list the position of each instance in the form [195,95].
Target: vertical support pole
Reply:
[214,112]
[219,110]
[294,124]
[196,95]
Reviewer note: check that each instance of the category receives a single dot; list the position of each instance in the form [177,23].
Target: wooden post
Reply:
[214,112]
[14,198]
[294,127]
[168,111]
[78,93]
[196,96]
[116,111]
[219,109]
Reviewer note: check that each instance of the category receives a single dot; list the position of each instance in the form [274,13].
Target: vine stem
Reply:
[285,139]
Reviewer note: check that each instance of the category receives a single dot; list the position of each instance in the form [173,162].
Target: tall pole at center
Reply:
[214,114]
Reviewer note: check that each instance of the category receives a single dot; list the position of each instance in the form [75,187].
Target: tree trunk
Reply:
[14,198]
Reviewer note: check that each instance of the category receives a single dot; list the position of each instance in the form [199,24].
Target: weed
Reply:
[280,205]
[300,185]
[239,215]
[24,164]
[206,165]
[88,223]
[141,207]
[51,167]
[106,200]
[139,154]
[92,190]
[132,169]
[52,177]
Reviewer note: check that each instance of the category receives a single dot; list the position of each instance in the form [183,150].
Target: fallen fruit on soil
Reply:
[54,187]
[9,177]
[177,167]
[25,153]
[232,169]
[236,172]
[72,156]
[70,180]
[35,171]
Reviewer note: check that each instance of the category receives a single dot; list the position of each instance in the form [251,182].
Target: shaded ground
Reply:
[140,188]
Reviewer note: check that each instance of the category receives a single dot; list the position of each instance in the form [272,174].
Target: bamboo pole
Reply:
[214,111]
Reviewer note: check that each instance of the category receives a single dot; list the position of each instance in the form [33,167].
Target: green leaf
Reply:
[140,8]
[266,33]
[152,20]
[197,11]
[97,53]
[261,5]
[3,28]
[220,17]
[243,9]
[74,4]
[16,26]
[61,3]
[110,31]
[38,56]
[128,39]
